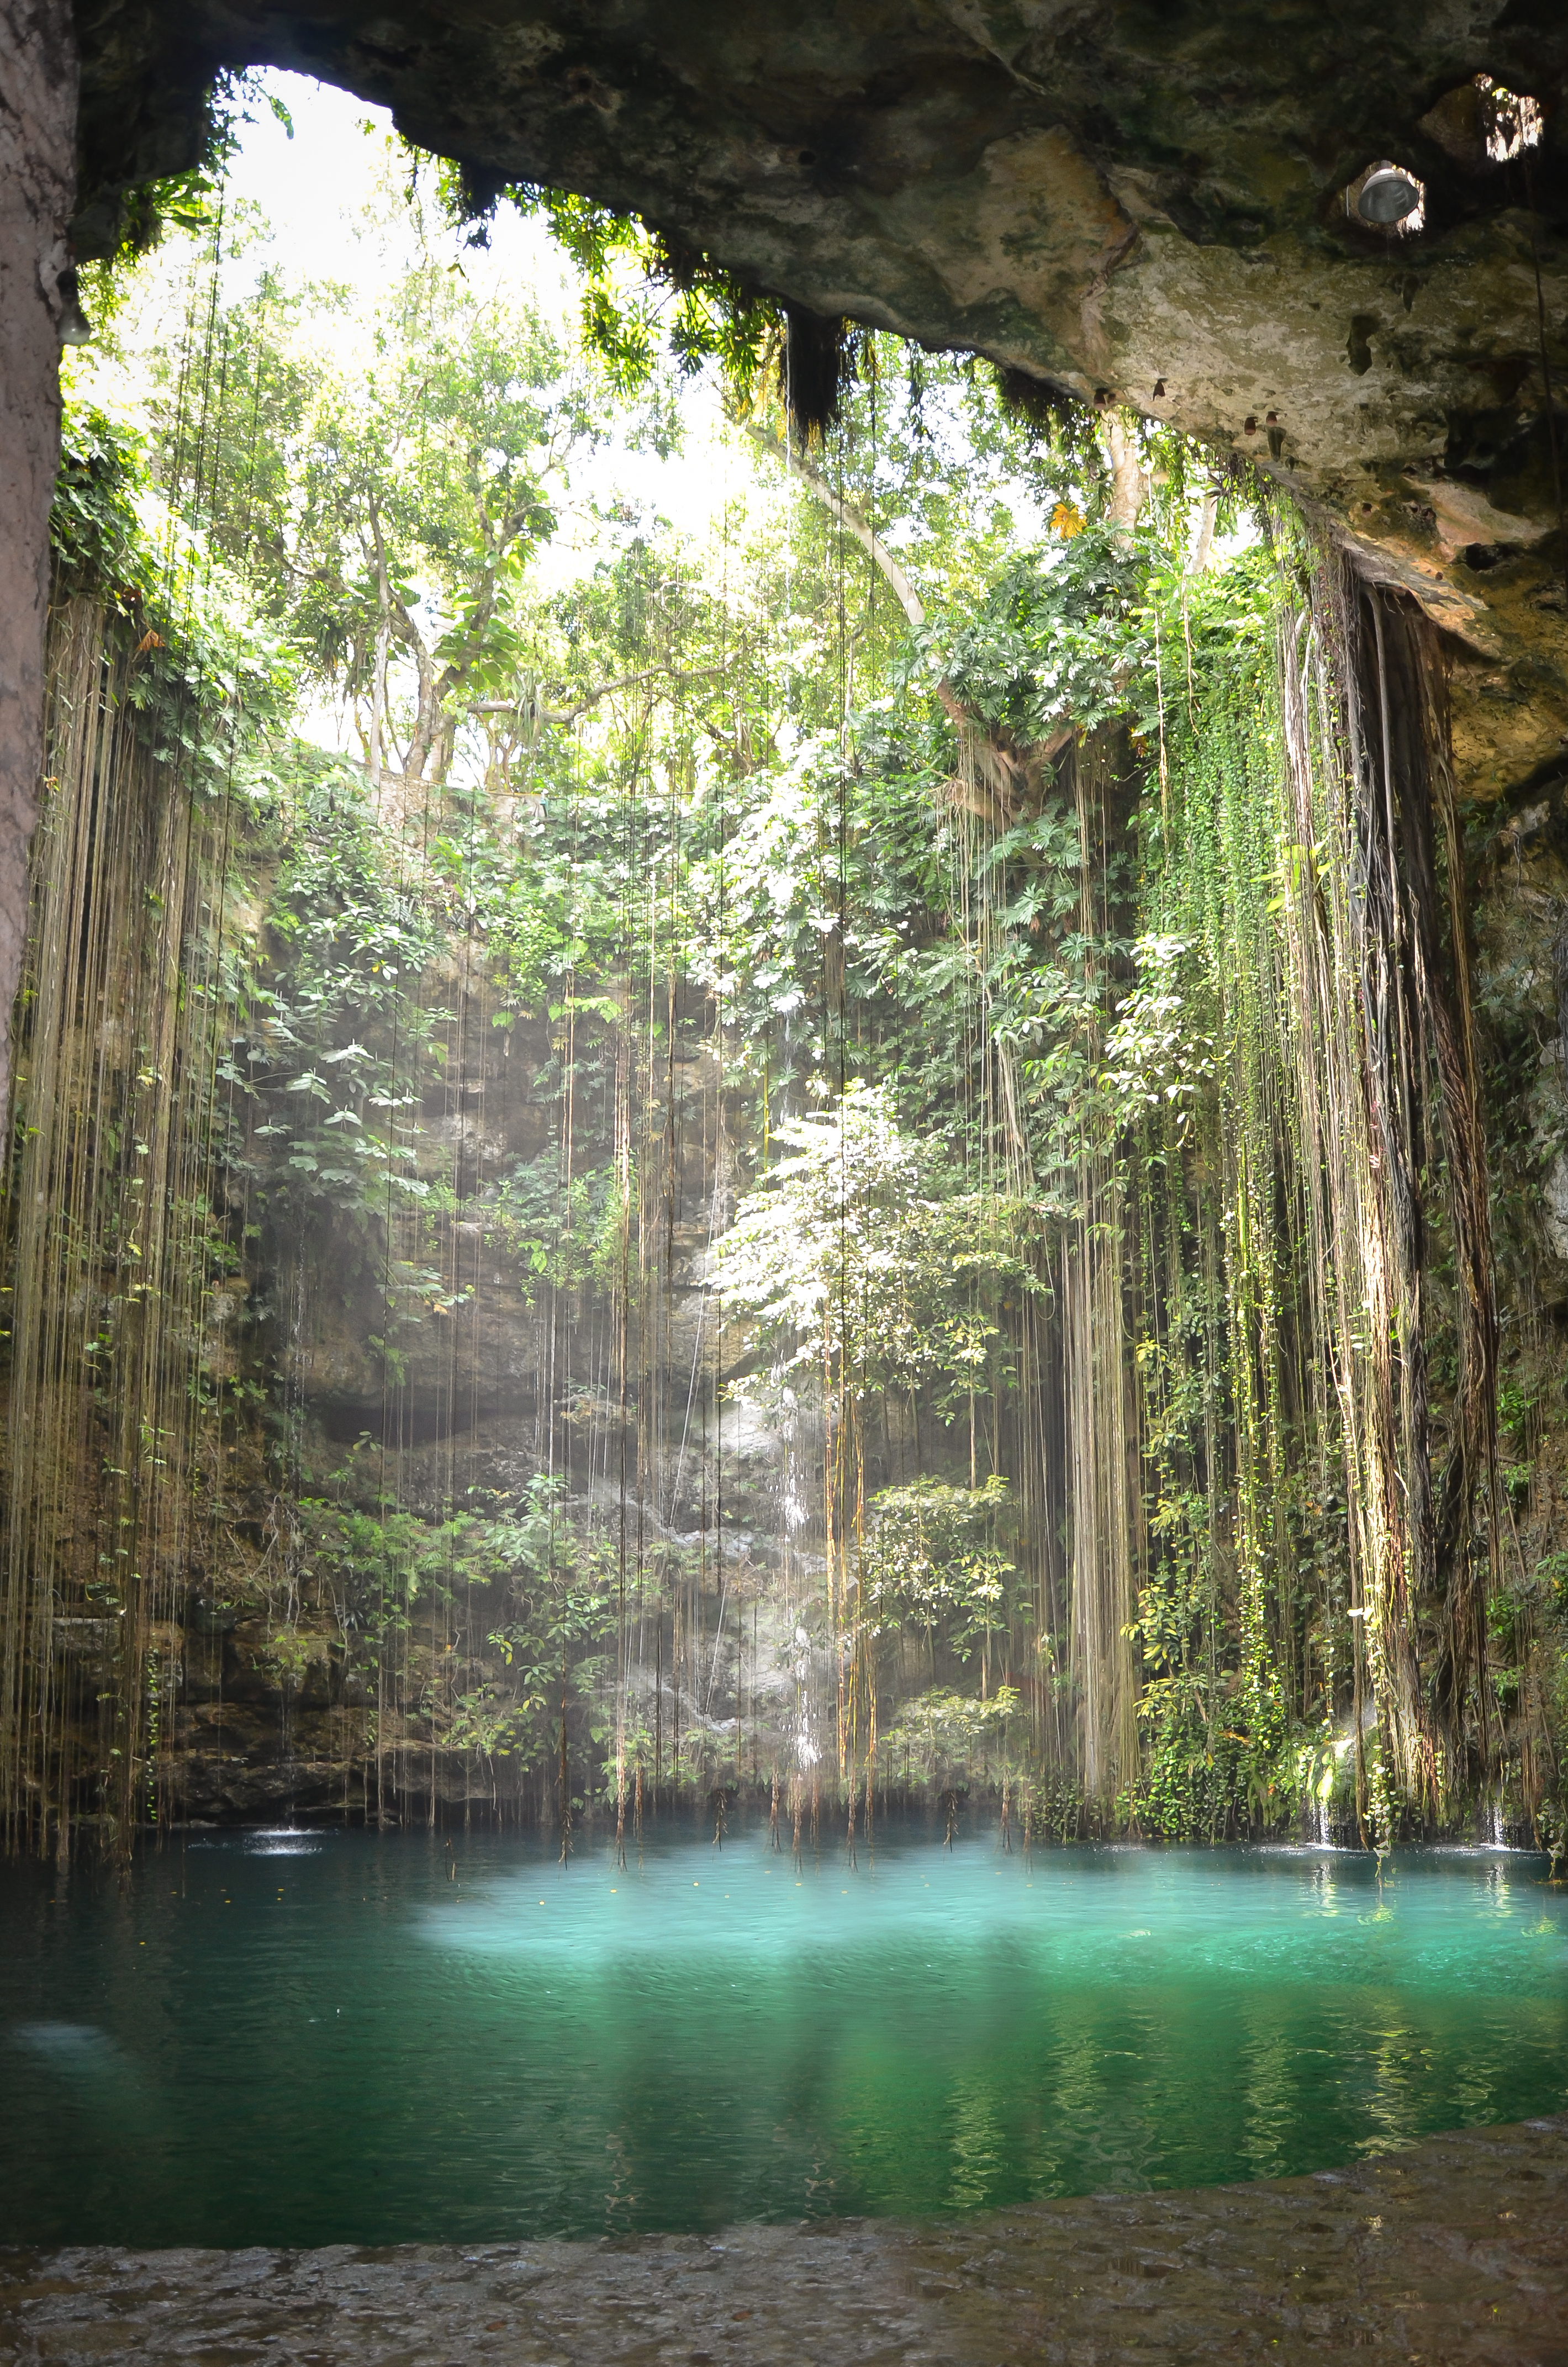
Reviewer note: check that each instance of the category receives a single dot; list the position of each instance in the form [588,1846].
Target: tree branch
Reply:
[871,542]
[592,698]
[1007,778]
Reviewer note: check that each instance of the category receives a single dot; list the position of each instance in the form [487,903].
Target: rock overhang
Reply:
[1119,198]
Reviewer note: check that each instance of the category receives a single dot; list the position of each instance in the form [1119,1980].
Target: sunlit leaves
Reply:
[930,1558]
[860,1256]
[1157,1054]
[1055,639]
[946,1734]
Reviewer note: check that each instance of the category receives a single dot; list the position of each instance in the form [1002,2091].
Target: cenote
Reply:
[290,2038]
[784,1244]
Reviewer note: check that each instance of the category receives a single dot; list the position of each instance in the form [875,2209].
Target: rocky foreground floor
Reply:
[1455,2251]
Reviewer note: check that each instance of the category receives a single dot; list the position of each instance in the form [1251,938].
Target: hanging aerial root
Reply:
[1388,1088]
[1051,408]
[1440,954]
[814,367]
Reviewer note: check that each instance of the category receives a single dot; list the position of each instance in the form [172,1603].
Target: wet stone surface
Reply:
[1457,2249]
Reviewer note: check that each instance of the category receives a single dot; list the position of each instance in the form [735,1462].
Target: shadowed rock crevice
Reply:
[38,107]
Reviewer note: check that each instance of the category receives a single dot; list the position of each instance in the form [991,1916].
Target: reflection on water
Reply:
[70,2040]
[294,2037]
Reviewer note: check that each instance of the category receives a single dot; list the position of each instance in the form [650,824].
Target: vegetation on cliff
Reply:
[843,1151]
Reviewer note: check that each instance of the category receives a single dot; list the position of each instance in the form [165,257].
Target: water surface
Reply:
[281,2038]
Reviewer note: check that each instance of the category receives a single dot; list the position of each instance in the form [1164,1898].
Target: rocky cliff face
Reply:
[388,1397]
[1150,208]
[38,107]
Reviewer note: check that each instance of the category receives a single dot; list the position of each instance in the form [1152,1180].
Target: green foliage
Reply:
[387,494]
[548,1612]
[641,288]
[1194,1786]
[350,938]
[566,1232]
[209,679]
[188,202]
[1056,638]
[860,1256]
[930,1559]
[1156,1060]
[976,934]
[946,1736]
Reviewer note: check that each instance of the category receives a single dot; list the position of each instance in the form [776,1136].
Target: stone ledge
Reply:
[1454,2250]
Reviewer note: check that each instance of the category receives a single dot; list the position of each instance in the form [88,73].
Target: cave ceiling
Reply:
[1144,203]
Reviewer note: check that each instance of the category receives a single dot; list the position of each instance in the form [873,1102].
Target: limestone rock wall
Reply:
[1152,208]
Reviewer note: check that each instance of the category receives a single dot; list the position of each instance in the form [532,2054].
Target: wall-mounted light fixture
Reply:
[1388,197]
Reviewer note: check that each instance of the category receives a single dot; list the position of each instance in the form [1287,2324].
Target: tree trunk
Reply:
[1203,542]
[1130,486]
[38,136]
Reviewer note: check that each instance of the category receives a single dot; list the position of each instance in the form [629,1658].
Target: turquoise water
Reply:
[291,2039]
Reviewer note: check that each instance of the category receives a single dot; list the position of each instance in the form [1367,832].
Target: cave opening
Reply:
[787,1155]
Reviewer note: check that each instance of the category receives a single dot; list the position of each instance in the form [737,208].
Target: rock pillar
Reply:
[38,140]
